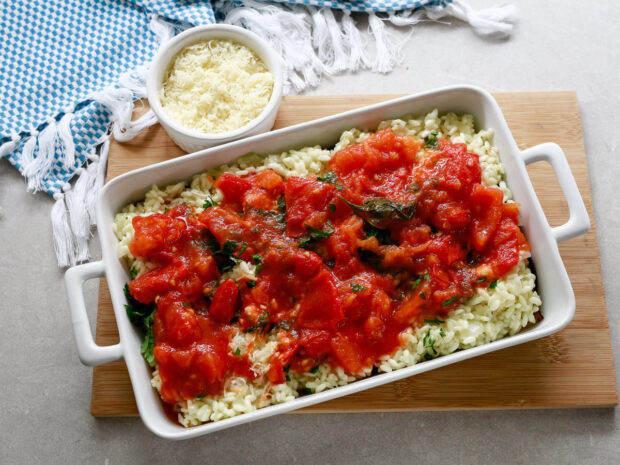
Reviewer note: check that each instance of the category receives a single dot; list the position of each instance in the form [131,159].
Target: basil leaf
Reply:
[141,315]
[382,209]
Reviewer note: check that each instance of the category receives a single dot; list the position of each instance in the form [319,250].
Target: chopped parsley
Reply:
[428,357]
[209,202]
[304,391]
[250,284]
[238,352]
[258,261]
[332,207]
[423,295]
[133,272]
[356,287]
[441,332]
[226,256]
[445,303]
[288,378]
[314,370]
[431,141]
[416,283]
[434,322]
[493,285]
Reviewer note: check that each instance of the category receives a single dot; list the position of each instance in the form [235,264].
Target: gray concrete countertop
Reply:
[45,417]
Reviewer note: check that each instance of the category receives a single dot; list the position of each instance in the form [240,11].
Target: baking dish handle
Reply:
[578,222]
[90,353]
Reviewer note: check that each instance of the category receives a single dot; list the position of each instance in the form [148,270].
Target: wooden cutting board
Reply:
[573,368]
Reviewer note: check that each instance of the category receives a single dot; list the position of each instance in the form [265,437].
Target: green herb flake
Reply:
[263,320]
[250,284]
[242,249]
[238,352]
[431,141]
[423,295]
[317,234]
[441,332]
[356,287]
[281,204]
[315,370]
[434,322]
[287,368]
[288,378]
[332,207]
[416,283]
[428,341]
[200,397]
[428,357]
[209,202]
[304,391]
[330,177]
[141,315]
[427,276]
[451,300]
[493,285]
[133,272]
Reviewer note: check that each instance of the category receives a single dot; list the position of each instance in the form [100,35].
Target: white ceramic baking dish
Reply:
[553,283]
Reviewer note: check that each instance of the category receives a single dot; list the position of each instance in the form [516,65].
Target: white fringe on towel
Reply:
[319,41]
[73,213]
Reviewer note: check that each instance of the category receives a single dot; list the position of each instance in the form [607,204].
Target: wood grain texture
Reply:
[573,368]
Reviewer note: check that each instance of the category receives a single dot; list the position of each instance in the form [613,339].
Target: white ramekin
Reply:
[192,141]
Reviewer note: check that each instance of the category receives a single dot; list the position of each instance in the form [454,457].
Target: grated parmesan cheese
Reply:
[215,86]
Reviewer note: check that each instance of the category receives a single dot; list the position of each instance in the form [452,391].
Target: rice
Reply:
[489,315]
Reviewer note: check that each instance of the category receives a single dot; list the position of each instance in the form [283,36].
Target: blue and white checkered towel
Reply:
[70,68]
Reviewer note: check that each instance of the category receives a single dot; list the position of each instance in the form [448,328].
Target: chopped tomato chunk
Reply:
[224,302]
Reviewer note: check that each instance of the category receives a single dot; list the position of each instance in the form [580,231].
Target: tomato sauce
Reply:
[393,234]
